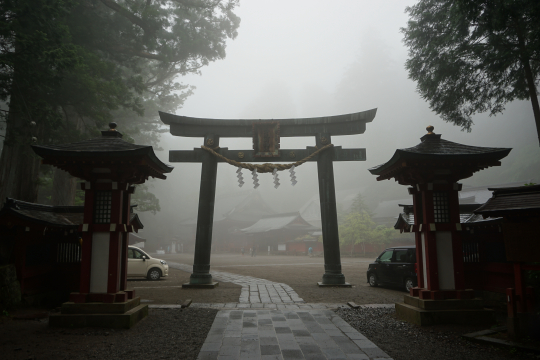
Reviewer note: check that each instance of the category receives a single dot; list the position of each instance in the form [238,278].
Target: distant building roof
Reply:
[135,239]
[520,199]
[48,215]
[289,221]
[63,216]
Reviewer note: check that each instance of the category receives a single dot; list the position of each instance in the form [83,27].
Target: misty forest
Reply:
[189,115]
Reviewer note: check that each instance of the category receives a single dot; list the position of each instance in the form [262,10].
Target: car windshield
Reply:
[386,256]
[136,254]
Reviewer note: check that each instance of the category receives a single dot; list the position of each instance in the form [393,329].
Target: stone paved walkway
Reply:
[285,334]
[254,290]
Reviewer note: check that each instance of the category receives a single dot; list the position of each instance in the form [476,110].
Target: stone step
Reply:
[423,317]
[449,304]
[70,308]
[114,321]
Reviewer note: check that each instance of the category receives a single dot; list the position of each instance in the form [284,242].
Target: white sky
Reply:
[301,58]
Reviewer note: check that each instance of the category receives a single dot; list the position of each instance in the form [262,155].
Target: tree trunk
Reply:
[19,165]
[64,188]
[531,86]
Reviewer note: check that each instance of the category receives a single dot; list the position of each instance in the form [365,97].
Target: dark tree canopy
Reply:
[474,56]
[68,67]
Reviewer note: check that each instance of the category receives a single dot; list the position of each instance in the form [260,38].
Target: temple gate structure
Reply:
[266,147]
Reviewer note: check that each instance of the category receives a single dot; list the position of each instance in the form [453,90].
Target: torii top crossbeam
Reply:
[348,124]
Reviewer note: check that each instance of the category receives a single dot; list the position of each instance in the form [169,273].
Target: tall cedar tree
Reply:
[123,55]
[474,56]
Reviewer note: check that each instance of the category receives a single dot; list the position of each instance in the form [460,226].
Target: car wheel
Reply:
[373,280]
[154,274]
[409,284]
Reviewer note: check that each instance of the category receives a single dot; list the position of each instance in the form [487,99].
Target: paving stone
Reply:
[292,354]
[355,336]
[231,341]
[270,350]
[358,356]
[268,340]
[315,357]
[364,344]
[289,345]
[375,352]
[208,355]
[298,333]
[304,340]
[332,332]
[310,349]
[271,357]
[210,347]
[334,353]
[282,330]
[321,336]
[227,350]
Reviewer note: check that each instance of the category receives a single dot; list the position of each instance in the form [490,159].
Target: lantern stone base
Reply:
[120,315]
[452,311]
[212,285]
[347,285]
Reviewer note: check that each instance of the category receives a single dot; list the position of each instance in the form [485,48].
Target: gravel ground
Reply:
[404,341]
[168,290]
[164,334]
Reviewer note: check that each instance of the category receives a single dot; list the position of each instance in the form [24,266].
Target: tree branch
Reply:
[127,14]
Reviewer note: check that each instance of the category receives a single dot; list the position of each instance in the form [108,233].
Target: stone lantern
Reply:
[432,169]
[110,167]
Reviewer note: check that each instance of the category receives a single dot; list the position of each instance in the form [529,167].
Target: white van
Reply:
[142,264]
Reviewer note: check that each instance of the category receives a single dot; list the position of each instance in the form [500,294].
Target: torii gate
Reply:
[266,135]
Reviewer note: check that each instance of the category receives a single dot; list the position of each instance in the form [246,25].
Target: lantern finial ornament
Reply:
[112,126]
[430,129]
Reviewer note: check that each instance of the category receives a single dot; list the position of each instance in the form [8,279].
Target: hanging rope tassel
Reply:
[276,179]
[293,177]
[240,177]
[255,178]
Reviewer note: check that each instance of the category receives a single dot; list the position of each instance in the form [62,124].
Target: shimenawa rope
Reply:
[266,167]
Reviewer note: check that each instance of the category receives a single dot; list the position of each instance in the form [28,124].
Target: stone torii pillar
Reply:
[266,137]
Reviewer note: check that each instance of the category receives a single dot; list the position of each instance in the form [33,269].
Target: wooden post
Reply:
[203,240]
[327,195]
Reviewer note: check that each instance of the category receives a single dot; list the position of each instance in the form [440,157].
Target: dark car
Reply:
[395,266]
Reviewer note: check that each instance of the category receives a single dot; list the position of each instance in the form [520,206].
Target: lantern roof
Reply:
[434,154]
[108,149]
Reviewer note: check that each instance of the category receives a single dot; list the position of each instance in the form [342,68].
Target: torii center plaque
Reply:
[266,135]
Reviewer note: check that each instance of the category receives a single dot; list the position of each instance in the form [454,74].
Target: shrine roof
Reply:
[109,145]
[433,147]
[135,239]
[466,215]
[289,221]
[511,199]
[56,216]
[134,220]
[346,124]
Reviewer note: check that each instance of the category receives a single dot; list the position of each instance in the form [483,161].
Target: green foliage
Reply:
[145,200]
[474,56]
[358,227]
[529,184]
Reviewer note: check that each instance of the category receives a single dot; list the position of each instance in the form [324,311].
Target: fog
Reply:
[316,58]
